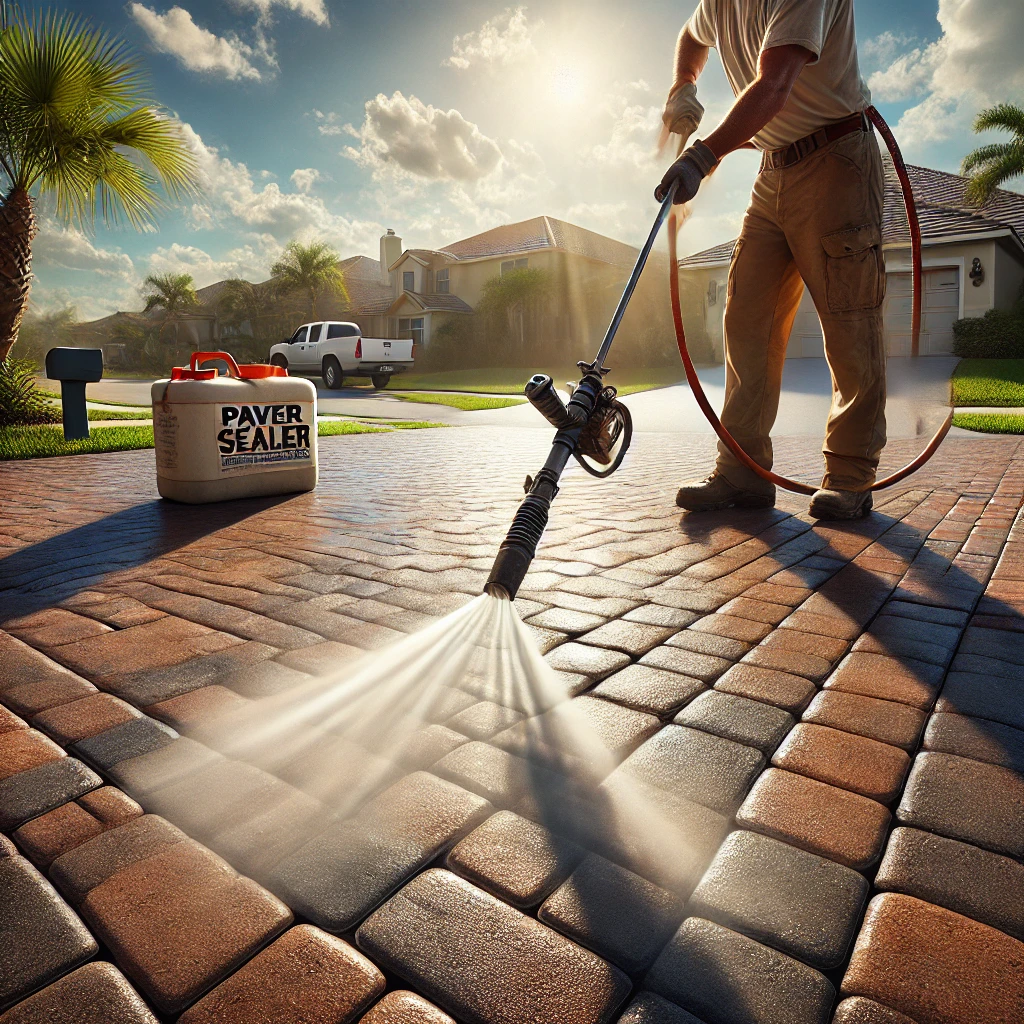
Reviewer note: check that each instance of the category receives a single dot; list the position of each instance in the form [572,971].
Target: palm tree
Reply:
[242,302]
[174,294]
[76,125]
[312,269]
[991,166]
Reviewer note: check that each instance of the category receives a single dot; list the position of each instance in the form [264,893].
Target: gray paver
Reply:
[737,718]
[650,689]
[981,739]
[650,1008]
[38,790]
[130,739]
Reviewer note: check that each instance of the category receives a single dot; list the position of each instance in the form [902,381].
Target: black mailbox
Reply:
[74,368]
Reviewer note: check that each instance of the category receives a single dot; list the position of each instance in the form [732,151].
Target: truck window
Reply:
[342,331]
[314,333]
[299,336]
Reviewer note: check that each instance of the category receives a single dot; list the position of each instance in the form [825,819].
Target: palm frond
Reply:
[983,155]
[996,173]
[1004,116]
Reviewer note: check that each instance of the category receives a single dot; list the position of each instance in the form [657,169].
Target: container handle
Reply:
[201,357]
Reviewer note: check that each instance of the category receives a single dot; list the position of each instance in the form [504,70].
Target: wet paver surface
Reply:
[827,721]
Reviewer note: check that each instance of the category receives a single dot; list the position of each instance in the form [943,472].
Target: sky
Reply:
[337,120]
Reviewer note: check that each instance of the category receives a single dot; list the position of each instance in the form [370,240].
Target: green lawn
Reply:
[119,414]
[468,403]
[45,442]
[990,422]
[989,382]
[504,381]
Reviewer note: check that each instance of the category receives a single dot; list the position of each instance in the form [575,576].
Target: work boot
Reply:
[829,504]
[716,492]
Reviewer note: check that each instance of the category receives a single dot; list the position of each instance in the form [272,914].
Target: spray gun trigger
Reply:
[528,483]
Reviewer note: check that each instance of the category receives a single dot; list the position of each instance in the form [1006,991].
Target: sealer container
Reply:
[252,432]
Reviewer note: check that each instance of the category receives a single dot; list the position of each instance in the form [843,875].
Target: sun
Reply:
[567,83]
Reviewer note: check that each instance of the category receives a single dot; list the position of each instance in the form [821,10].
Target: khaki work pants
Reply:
[817,222]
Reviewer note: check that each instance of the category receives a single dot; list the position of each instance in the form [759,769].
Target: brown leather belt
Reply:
[776,159]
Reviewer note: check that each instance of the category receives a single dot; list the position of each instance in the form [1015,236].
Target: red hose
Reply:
[694,381]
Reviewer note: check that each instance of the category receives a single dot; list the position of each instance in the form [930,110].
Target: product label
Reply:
[274,436]
[165,432]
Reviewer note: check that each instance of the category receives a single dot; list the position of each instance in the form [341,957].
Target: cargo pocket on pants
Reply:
[854,270]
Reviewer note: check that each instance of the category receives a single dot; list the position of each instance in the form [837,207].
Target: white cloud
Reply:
[196,48]
[976,62]
[70,249]
[315,10]
[233,199]
[408,136]
[248,261]
[328,123]
[304,178]
[881,51]
[636,124]
[500,41]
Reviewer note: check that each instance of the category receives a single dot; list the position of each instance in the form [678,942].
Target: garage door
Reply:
[940,307]
[805,340]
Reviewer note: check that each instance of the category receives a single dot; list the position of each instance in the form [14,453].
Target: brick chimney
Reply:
[390,250]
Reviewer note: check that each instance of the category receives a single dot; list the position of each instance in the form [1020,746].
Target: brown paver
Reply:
[110,806]
[304,977]
[843,759]
[97,993]
[10,722]
[197,708]
[40,935]
[878,675]
[23,749]
[85,717]
[51,834]
[486,962]
[884,720]
[649,689]
[516,859]
[936,966]
[179,921]
[402,1007]
[833,823]
[981,739]
[858,1010]
[784,690]
[31,698]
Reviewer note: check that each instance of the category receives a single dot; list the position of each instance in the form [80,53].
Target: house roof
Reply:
[432,303]
[942,209]
[540,233]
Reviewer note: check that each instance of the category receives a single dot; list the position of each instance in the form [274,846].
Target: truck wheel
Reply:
[279,361]
[380,380]
[331,373]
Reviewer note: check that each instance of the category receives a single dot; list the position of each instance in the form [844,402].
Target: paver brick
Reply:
[981,739]
[757,610]
[786,691]
[593,662]
[566,620]
[38,790]
[706,769]
[795,901]
[809,666]
[964,799]
[429,744]
[709,643]
[858,1010]
[180,920]
[492,773]
[97,993]
[486,962]
[887,721]
[725,977]
[806,643]
[10,722]
[23,749]
[44,838]
[704,667]
[843,759]
[41,937]
[20,662]
[983,696]
[518,860]
[877,675]
[304,977]
[733,627]
[993,643]
[78,871]
[147,773]
[621,916]
[86,717]
[198,710]
[634,638]
[833,823]
[130,739]
[650,1008]
[340,876]
[649,689]
[737,718]
[660,615]
[109,806]
[935,966]
[402,1007]
[976,883]
[483,720]
[31,698]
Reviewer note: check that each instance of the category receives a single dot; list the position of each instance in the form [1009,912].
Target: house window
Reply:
[412,328]
[519,264]
[442,282]
[408,281]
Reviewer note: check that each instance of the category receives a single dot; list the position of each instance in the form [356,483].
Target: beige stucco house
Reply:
[973,261]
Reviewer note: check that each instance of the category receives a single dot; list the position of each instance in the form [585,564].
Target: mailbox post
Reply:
[74,368]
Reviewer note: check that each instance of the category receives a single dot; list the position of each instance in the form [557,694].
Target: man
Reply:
[815,218]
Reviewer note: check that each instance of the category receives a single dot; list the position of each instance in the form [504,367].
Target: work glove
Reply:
[683,111]
[688,172]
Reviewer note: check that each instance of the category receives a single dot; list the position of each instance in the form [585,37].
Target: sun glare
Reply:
[567,83]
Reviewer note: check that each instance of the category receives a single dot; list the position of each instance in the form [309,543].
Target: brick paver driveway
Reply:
[829,719]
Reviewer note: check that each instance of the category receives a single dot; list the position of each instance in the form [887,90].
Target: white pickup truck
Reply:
[335,350]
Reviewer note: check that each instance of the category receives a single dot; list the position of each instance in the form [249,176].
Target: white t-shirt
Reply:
[828,90]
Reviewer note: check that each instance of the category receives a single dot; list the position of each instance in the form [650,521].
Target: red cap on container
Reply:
[247,371]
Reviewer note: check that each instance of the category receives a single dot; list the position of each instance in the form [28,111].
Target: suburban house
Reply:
[973,260]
